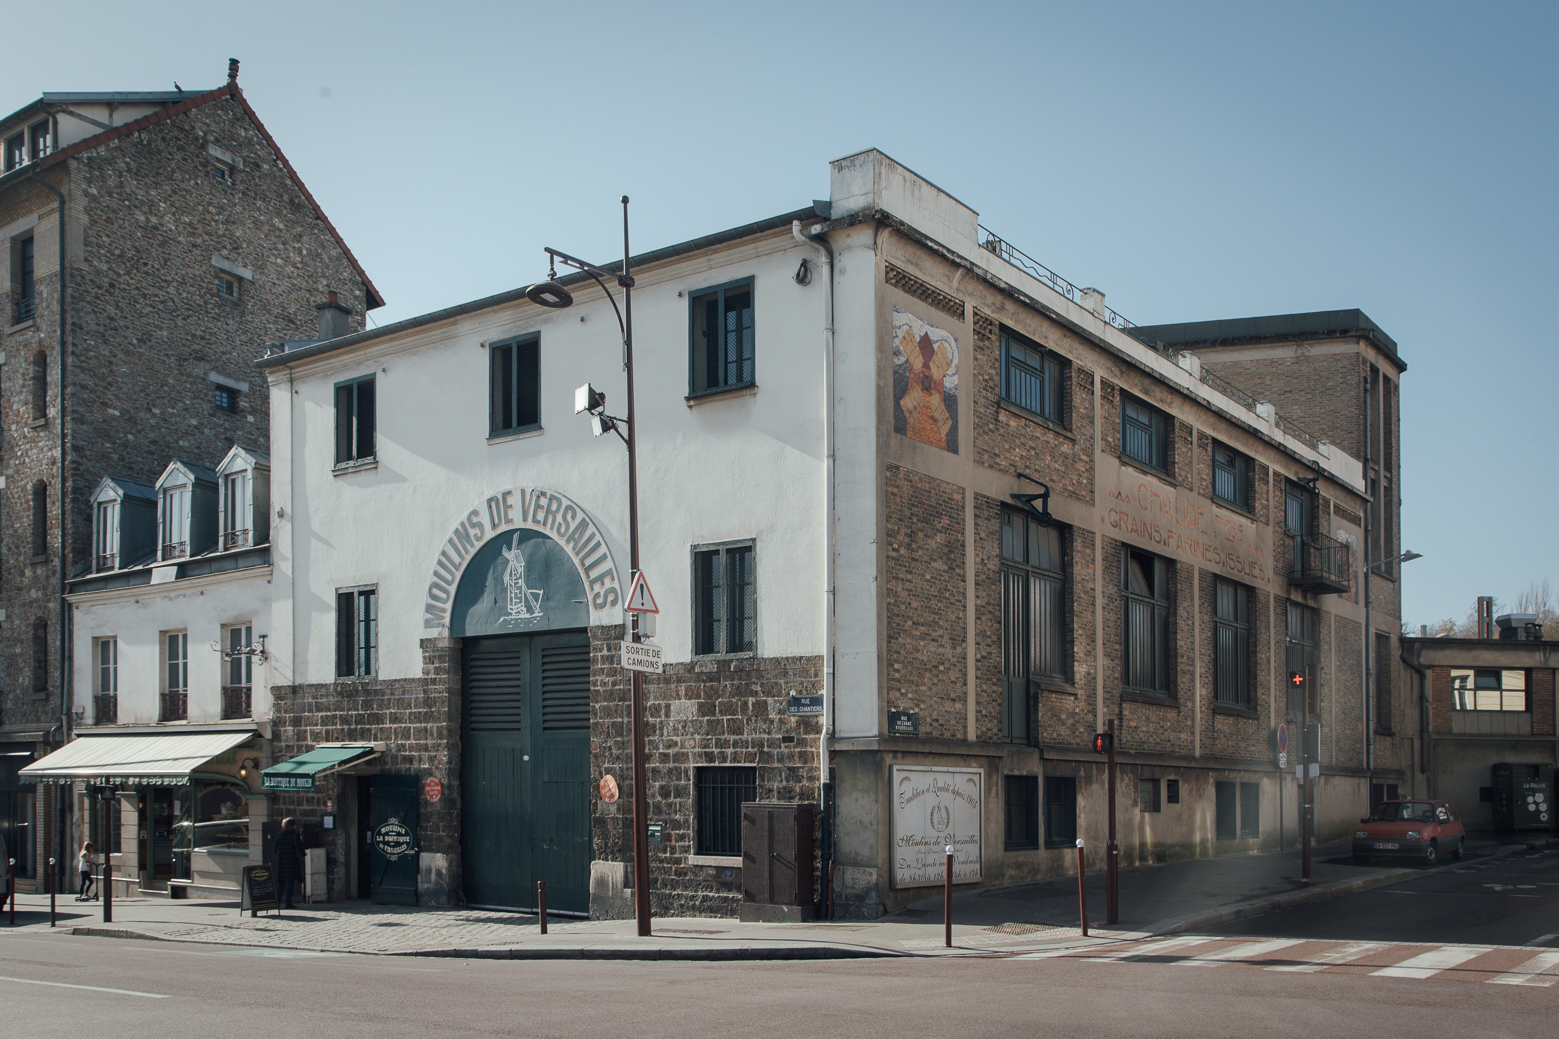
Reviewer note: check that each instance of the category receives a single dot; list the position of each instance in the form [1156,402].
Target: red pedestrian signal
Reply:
[1101,743]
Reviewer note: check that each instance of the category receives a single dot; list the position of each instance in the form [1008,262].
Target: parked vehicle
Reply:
[1422,830]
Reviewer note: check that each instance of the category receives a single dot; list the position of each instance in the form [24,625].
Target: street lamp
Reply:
[587,399]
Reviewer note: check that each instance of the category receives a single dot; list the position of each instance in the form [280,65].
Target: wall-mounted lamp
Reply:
[1042,514]
[241,651]
[247,764]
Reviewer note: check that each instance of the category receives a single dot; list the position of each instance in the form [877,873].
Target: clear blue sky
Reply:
[1192,160]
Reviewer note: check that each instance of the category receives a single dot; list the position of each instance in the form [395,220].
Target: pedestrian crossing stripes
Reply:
[1493,964]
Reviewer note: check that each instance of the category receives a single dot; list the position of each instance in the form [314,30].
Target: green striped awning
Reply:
[299,773]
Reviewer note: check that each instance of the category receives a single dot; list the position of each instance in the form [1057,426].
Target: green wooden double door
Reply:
[526,771]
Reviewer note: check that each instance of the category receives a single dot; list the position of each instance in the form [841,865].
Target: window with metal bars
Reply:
[40,386]
[175,685]
[1146,665]
[1231,476]
[724,600]
[514,385]
[40,656]
[721,350]
[1147,795]
[718,793]
[1060,810]
[1298,520]
[1383,672]
[24,287]
[1033,615]
[1144,434]
[355,421]
[1300,654]
[1231,644]
[357,633]
[40,521]
[227,398]
[1032,377]
[1022,813]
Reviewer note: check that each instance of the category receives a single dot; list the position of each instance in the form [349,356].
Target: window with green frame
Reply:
[1032,378]
[1033,615]
[1231,476]
[514,385]
[721,341]
[724,600]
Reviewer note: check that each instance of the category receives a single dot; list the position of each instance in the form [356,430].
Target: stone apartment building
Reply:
[149,242]
[920,517]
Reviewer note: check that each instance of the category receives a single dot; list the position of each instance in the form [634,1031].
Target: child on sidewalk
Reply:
[84,864]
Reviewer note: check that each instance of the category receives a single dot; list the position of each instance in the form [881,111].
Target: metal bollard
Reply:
[947,900]
[51,891]
[10,886]
[541,904]
[1082,889]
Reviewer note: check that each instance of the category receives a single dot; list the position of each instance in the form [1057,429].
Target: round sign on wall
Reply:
[393,839]
[432,789]
[609,789]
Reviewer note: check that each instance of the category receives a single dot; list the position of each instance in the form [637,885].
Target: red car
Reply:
[1422,830]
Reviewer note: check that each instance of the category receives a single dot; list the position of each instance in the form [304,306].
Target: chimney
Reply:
[1485,616]
[332,317]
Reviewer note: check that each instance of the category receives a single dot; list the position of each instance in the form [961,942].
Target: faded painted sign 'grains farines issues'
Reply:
[934,808]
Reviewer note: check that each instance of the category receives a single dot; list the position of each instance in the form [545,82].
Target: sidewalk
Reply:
[1157,899]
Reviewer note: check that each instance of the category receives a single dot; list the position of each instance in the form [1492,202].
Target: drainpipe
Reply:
[1369,629]
[64,506]
[1423,715]
[825,791]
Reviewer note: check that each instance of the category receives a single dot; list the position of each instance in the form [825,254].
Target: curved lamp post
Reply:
[587,399]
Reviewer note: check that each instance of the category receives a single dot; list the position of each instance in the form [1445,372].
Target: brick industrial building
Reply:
[849,420]
[151,243]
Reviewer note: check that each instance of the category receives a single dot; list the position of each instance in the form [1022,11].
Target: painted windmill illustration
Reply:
[524,601]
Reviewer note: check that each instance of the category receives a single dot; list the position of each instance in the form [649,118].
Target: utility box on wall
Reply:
[1523,797]
[776,862]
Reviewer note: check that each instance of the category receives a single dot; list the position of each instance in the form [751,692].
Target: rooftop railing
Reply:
[1024,262]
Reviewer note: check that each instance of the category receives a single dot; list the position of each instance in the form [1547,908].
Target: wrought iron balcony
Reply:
[107,561]
[237,701]
[175,550]
[235,539]
[1320,564]
[105,709]
[175,706]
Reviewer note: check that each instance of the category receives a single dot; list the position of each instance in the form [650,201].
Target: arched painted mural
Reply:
[525,560]
[517,584]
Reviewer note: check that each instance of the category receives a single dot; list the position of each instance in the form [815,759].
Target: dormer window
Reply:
[174,522]
[124,523]
[244,480]
[235,510]
[105,536]
[187,505]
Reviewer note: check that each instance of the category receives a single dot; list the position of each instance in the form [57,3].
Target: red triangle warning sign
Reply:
[640,599]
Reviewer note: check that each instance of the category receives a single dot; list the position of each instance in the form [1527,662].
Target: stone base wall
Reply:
[703,712]
[418,721]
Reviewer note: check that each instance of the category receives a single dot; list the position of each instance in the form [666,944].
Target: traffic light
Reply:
[1101,742]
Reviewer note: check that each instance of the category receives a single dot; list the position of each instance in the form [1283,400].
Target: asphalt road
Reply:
[1509,900]
[69,987]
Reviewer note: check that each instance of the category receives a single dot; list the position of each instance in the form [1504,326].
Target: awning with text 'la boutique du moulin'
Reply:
[298,774]
[156,758]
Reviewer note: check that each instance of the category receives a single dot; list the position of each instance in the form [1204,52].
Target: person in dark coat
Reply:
[289,861]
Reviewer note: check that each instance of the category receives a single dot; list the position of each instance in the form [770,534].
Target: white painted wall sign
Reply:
[932,808]
[640,656]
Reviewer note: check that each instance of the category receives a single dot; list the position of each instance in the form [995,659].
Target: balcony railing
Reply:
[24,309]
[107,561]
[1320,564]
[175,706]
[105,709]
[235,539]
[175,550]
[237,701]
